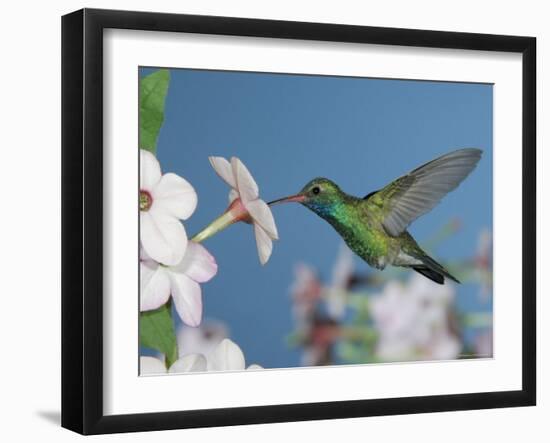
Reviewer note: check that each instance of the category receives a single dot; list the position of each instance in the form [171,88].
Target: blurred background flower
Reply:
[414,320]
[368,316]
[202,340]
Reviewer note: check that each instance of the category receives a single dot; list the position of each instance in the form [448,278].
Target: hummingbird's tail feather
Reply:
[432,275]
[422,262]
[433,270]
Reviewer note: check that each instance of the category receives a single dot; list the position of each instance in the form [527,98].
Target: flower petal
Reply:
[226,357]
[149,170]
[233,195]
[224,170]
[187,297]
[154,286]
[189,363]
[246,185]
[175,196]
[143,256]
[151,365]
[163,237]
[263,243]
[198,264]
[254,367]
[260,212]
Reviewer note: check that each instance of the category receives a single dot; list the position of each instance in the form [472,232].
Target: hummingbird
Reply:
[375,226]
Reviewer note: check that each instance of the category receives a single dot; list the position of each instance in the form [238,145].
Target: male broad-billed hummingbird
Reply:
[375,226]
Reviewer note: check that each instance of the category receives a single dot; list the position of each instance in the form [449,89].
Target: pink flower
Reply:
[181,281]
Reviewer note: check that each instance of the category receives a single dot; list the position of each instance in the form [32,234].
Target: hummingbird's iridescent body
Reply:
[374,227]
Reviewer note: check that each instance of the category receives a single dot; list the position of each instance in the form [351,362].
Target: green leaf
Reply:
[156,331]
[152,95]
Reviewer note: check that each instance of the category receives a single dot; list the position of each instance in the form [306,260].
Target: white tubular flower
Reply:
[164,200]
[244,205]
[228,357]
[181,281]
[187,363]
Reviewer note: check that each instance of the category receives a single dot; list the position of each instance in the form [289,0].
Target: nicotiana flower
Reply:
[244,205]
[181,281]
[187,363]
[227,356]
[164,200]
[414,321]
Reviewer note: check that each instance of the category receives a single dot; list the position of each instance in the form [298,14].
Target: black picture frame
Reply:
[82,219]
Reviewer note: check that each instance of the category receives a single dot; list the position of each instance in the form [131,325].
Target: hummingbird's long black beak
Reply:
[298,198]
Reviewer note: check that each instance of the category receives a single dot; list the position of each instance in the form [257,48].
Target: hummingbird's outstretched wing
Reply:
[412,195]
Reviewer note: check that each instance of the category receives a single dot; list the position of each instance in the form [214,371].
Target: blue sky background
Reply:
[362,133]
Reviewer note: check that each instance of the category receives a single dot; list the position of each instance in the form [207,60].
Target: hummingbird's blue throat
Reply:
[323,209]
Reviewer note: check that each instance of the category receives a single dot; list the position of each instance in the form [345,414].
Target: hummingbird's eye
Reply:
[316,190]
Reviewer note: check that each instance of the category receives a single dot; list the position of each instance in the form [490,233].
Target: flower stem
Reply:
[222,222]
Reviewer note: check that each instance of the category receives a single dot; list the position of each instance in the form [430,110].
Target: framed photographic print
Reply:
[270,221]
